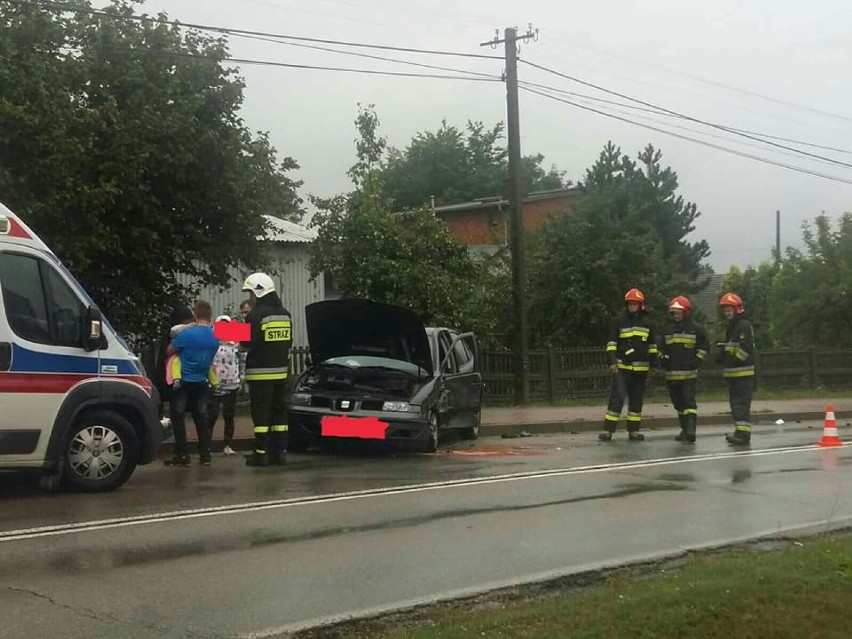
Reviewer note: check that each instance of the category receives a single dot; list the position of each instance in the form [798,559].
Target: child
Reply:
[226,366]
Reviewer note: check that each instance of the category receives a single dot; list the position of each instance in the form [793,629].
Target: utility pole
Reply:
[520,342]
[777,237]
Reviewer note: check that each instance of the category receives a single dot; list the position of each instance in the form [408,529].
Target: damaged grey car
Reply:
[377,373]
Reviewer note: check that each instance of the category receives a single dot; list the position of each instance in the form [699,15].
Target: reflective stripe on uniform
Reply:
[611,347]
[690,411]
[743,427]
[740,354]
[265,374]
[280,428]
[634,417]
[680,376]
[611,416]
[634,331]
[637,367]
[259,430]
[680,338]
[741,371]
[265,377]
[701,353]
[259,451]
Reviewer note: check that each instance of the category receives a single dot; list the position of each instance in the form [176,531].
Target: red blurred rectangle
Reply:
[360,427]
[232,331]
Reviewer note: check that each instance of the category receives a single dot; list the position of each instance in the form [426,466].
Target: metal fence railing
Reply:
[563,374]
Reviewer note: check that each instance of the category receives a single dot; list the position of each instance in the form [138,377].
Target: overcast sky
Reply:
[674,53]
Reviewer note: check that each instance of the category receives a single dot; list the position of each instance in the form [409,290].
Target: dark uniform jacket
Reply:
[736,353]
[631,343]
[683,347]
[268,356]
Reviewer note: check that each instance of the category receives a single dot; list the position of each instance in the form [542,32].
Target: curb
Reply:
[573,427]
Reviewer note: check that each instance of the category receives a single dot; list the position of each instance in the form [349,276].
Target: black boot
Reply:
[605,436]
[277,454]
[635,436]
[257,459]
[681,436]
[691,427]
[739,438]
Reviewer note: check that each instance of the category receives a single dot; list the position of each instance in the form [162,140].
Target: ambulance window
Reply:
[66,310]
[23,297]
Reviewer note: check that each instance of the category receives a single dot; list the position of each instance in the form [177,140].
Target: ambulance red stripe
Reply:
[58,383]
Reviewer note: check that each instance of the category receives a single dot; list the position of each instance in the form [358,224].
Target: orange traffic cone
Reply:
[829,433]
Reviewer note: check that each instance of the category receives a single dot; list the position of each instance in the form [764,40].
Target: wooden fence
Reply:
[560,374]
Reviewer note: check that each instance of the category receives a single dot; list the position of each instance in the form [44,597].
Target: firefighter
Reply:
[736,353]
[267,367]
[683,348]
[630,352]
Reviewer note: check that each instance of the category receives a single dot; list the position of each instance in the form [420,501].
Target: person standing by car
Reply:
[630,352]
[683,348]
[227,367]
[736,353]
[197,347]
[267,368]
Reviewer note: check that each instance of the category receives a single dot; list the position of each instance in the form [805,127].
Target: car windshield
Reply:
[366,361]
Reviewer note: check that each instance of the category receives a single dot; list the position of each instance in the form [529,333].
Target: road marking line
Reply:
[179,515]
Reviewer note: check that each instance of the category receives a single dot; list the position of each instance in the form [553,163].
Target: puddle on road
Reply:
[496,450]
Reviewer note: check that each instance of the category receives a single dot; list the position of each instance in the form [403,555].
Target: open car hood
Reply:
[340,328]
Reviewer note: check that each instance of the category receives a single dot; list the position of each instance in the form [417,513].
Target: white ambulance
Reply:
[75,402]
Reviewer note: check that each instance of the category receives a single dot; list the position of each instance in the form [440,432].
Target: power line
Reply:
[716,136]
[691,139]
[642,109]
[367,55]
[293,65]
[716,83]
[61,6]
[685,117]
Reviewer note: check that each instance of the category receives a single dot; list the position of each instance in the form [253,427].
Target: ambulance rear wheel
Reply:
[101,452]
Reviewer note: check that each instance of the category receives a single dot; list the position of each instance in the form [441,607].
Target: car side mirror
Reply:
[93,335]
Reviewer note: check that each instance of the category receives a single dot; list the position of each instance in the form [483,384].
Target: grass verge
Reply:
[803,590]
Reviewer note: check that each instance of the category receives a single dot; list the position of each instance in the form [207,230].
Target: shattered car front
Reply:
[371,375]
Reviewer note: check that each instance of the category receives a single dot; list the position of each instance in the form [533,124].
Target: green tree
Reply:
[409,258]
[754,286]
[628,230]
[811,299]
[455,165]
[121,144]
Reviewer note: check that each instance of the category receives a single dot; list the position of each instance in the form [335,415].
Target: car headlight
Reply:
[302,399]
[400,407]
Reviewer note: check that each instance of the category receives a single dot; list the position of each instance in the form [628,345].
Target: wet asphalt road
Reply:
[338,534]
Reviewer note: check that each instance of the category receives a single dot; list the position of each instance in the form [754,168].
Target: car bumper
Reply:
[389,426]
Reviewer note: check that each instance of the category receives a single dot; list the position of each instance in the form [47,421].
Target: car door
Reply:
[469,379]
[41,353]
[449,382]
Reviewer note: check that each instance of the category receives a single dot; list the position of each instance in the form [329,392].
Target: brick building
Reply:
[484,224]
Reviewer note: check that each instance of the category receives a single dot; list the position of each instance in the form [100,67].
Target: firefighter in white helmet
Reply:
[267,369]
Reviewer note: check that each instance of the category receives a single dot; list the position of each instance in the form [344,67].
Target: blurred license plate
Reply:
[359,427]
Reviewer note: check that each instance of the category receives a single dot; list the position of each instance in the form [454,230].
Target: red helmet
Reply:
[680,303]
[733,300]
[635,295]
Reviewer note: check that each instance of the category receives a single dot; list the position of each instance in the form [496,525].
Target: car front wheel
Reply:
[101,452]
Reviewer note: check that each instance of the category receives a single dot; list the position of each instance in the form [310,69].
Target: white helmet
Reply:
[260,284]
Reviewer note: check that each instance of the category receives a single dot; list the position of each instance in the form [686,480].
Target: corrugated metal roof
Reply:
[489,202]
[285,231]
